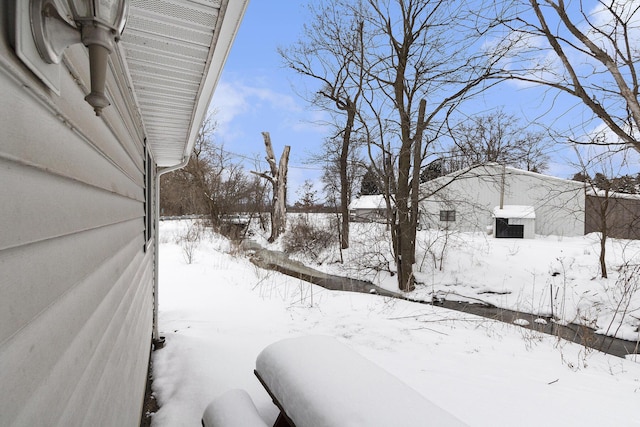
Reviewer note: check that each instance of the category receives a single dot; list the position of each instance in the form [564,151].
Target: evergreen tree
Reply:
[369,185]
[581,177]
[433,170]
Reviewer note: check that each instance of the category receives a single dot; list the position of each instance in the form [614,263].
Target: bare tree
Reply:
[611,207]
[396,68]
[496,137]
[212,184]
[204,185]
[178,195]
[183,191]
[308,197]
[422,61]
[331,174]
[587,50]
[277,176]
[330,51]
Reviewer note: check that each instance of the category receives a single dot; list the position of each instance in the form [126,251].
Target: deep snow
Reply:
[324,383]
[220,312]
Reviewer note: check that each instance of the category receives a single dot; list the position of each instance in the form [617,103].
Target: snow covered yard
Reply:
[219,312]
[551,276]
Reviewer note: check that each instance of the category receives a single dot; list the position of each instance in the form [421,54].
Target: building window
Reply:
[448,216]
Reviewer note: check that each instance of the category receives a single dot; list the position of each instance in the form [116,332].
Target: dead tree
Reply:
[277,176]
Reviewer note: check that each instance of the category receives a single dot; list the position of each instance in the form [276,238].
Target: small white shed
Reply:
[371,208]
[514,221]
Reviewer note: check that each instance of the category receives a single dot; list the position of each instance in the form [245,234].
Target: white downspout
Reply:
[157,340]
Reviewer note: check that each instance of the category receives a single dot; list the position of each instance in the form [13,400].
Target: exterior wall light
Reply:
[98,24]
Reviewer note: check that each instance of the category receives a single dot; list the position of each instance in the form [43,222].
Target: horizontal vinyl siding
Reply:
[52,206]
[128,341]
[76,284]
[56,348]
[83,151]
[47,272]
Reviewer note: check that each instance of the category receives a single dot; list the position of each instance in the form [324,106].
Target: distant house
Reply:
[368,209]
[78,218]
[466,200]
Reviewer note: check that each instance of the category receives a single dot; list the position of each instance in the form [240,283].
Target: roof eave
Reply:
[228,26]
[172,53]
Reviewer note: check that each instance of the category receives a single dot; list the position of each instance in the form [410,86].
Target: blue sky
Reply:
[256,93]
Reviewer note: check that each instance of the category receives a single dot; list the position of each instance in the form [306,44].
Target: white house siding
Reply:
[474,193]
[76,275]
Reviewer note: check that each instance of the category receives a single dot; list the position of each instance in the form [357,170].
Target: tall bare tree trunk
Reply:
[603,206]
[279,218]
[344,179]
[278,180]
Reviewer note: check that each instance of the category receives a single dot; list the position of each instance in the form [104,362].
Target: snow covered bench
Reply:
[232,409]
[317,382]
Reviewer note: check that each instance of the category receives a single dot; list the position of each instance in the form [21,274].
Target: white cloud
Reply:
[245,109]
[601,18]
[611,160]
[228,102]
[239,106]
[235,98]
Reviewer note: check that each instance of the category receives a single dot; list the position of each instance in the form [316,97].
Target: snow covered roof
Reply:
[612,194]
[368,202]
[495,169]
[514,211]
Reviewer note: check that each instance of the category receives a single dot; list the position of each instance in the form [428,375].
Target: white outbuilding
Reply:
[465,200]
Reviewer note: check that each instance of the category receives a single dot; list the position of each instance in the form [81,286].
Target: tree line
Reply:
[212,183]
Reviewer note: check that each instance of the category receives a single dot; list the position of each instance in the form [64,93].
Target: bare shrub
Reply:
[189,240]
[308,239]
[371,254]
[434,247]
[622,296]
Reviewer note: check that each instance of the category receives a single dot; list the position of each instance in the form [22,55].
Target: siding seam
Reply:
[79,282]
[16,74]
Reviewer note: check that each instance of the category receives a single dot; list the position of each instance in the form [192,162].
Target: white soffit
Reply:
[175,51]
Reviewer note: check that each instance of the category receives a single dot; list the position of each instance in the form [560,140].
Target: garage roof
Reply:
[515,212]
[175,51]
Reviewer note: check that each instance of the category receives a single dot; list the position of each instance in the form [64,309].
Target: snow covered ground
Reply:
[220,311]
[551,276]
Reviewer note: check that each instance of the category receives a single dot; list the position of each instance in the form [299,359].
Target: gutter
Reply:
[158,341]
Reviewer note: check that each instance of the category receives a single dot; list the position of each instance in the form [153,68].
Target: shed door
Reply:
[506,231]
